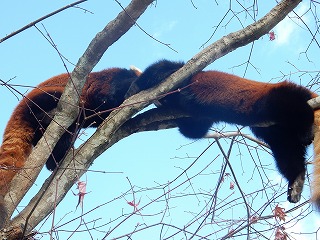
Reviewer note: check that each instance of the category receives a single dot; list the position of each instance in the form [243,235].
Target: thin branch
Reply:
[40,19]
[65,114]
[149,35]
[102,139]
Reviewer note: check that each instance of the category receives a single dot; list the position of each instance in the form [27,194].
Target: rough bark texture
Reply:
[106,134]
[65,114]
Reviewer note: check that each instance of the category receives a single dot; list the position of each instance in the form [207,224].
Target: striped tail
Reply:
[16,147]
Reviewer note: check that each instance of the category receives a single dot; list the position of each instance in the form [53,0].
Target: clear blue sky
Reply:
[149,159]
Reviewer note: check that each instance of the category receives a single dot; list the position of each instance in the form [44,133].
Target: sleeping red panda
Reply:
[102,91]
[211,96]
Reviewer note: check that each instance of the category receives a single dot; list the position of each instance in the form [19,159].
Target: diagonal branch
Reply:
[65,114]
[105,135]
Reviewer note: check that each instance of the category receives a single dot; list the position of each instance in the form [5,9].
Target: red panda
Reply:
[315,187]
[102,91]
[212,96]
[207,97]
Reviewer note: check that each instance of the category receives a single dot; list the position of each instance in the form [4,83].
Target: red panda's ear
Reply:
[136,70]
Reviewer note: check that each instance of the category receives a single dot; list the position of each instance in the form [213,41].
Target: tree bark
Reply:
[66,114]
[110,131]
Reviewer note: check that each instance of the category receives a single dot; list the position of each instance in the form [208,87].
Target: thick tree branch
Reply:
[110,132]
[54,191]
[104,137]
[66,114]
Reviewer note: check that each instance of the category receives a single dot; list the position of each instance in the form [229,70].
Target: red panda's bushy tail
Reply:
[16,147]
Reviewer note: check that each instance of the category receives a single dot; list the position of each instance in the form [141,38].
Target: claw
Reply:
[295,189]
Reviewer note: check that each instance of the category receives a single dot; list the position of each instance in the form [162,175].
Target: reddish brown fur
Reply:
[316,161]
[229,89]
[210,96]
[20,131]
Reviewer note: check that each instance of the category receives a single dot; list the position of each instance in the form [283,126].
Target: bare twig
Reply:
[40,19]
[111,33]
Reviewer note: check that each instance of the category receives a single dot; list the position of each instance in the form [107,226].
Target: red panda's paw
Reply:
[295,188]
